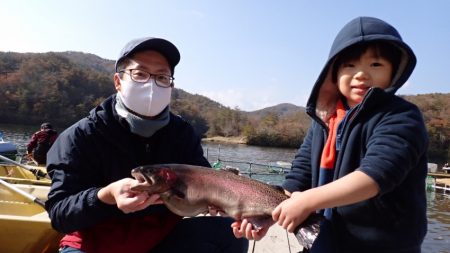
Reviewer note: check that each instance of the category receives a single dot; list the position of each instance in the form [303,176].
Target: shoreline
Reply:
[222,139]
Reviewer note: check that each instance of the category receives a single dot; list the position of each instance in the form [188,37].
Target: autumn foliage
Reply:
[64,87]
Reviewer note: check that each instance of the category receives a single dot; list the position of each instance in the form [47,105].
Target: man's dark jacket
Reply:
[99,150]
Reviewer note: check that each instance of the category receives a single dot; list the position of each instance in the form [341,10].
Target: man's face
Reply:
[151,61]
[355,77]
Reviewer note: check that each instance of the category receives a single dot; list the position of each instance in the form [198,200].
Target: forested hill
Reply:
[90,61]
[62,87]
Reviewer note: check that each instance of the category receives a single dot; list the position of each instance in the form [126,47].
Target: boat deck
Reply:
[276,241]
[25,226]
[442,184]
[439,175]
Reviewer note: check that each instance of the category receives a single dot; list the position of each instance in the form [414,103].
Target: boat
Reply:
[35,175]
[7,148]
[16,172]
[19,172]
[25,224]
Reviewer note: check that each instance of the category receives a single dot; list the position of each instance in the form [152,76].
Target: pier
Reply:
[439,182]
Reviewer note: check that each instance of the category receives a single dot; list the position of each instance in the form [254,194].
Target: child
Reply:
[363,162]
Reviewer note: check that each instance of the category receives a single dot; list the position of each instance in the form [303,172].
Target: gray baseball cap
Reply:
[165,47]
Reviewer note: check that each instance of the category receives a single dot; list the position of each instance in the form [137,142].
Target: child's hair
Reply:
[382,49]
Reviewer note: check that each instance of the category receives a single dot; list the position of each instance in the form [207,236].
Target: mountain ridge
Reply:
[62,87]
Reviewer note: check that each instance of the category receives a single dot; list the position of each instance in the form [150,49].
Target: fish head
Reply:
[153,179]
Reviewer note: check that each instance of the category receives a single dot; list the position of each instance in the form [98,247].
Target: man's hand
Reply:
[127,200]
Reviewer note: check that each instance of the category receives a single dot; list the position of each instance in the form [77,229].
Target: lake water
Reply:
[261,162]
[438,211]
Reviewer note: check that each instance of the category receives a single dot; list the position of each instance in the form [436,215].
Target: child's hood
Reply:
[324,95]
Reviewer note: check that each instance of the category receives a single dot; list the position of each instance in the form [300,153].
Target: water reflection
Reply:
[438,212]
[18,134]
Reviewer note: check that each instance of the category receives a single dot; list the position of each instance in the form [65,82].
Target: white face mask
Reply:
[147,99]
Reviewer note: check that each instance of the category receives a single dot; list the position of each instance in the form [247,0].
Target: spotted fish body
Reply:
[189,190]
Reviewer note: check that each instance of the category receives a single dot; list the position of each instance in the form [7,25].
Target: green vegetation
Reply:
[48,87]
[63,87]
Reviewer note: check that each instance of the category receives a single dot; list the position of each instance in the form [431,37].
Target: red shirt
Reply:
[136,234]
[46,135]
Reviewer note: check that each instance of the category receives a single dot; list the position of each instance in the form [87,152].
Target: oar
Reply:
[37,172]
[23,193]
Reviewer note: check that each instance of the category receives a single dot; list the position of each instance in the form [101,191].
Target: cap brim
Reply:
[166,48]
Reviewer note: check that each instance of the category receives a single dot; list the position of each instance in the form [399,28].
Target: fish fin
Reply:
[172,193]
[259,222]
[178,193]
[231,170]
[179,189]
[307,232]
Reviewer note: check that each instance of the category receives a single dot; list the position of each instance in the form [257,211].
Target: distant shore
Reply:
[232,139]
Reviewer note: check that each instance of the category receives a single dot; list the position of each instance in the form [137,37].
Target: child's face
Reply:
[355,77]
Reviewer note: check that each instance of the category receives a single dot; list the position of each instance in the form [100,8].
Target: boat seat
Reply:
[16,209]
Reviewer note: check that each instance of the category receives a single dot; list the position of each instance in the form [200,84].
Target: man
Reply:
[90,198]
[40,143]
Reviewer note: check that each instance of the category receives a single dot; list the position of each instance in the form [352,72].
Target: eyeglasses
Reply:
[142,76]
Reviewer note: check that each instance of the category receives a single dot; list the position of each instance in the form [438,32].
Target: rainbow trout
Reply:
[189,190]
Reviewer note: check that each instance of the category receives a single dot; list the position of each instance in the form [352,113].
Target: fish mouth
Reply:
[142,178]
[144,181]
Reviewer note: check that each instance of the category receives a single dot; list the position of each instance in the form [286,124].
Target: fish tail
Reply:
[307,232]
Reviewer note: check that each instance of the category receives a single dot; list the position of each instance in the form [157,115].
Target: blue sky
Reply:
[250,54]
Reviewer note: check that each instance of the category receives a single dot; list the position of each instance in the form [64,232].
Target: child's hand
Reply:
[245,229]
[293,211]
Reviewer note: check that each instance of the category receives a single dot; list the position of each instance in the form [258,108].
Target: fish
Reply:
[189,191]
